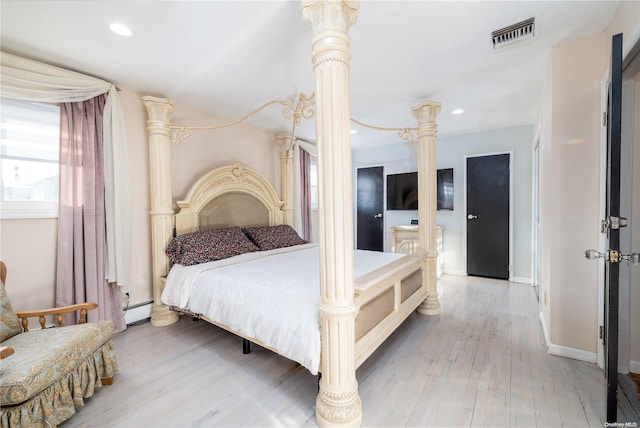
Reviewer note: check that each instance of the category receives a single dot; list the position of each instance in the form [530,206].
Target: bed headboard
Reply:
[231,195]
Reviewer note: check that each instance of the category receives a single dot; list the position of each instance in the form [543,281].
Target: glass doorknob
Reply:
[613,256]
[633,258]
[592,254]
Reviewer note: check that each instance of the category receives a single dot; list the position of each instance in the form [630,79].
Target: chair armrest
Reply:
[5,351]
[82,307]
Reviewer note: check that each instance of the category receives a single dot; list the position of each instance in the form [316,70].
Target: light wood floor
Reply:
[482,362]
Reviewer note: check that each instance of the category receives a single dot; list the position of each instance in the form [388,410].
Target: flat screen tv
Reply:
[402,190]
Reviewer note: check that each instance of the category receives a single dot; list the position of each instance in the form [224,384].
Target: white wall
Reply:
[569,192]
[28,247]
[401,157]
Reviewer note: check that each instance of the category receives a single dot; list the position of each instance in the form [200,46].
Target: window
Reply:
[29,158]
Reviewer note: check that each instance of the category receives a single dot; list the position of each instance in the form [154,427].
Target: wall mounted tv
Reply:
[402,190]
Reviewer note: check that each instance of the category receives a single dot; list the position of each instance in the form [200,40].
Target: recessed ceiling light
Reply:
[353,131]
[457,111]
[120,29]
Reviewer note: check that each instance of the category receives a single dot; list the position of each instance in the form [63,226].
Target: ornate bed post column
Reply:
[159,112]
[286,177]
[426,114]
[338,402]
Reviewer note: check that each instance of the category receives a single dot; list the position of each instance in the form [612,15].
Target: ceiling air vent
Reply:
[515,33]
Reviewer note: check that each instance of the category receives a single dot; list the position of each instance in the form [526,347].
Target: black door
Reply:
[612,268]
[488,183]
[370,206]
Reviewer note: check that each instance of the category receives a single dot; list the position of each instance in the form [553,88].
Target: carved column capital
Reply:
[330,15]
[330,20]
[426,114]
[286,143]
[158,108]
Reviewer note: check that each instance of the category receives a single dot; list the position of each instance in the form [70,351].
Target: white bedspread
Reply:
[271,296]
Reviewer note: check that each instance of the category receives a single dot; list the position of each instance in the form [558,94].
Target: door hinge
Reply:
[604,118]
[601,332]
[613,223]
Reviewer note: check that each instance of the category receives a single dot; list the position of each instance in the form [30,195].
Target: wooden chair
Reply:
[77,358]
[42,313]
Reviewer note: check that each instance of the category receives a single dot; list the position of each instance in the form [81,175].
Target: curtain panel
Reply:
[305,194]
[302,187]
[30,80]
[81,221]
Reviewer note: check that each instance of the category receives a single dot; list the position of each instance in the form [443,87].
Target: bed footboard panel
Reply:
[410,285]
[374,311]
[386,297]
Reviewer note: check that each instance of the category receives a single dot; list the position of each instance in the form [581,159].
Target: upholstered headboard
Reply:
[232,195]
[233,209]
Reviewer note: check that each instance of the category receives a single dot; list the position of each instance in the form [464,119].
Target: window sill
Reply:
[28,210]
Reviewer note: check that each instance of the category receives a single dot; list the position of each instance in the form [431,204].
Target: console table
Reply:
[404,239]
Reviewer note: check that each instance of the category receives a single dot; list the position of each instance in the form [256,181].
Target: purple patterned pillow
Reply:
[208,245]
[271,237]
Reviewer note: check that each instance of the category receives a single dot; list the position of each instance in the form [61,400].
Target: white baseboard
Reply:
[565,351]
[576,354]
[519,279]
[634,366]
[544,330]
[138,313]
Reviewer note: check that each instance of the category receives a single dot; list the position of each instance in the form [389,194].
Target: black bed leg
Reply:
[246,346]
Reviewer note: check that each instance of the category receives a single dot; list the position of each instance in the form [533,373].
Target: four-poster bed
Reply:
[355,314]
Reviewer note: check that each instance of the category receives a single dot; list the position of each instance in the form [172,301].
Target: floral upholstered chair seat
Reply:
[51,371]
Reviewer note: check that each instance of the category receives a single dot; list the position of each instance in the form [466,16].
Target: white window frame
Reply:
[12,210]
[29,209]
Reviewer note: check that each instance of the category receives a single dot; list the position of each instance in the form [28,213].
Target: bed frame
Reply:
[356,315]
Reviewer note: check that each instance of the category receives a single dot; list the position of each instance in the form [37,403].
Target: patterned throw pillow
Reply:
[208,245]
[272,237]
[9,322]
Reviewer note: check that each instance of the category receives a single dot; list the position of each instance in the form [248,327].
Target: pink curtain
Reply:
[81,262]
[305,194]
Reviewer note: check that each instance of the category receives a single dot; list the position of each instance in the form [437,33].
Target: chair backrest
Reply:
[3,272]
[9,322]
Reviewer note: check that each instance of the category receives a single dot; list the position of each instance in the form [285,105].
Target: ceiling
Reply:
[229,57]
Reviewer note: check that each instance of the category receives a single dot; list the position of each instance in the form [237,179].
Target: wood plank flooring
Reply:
[481,363]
